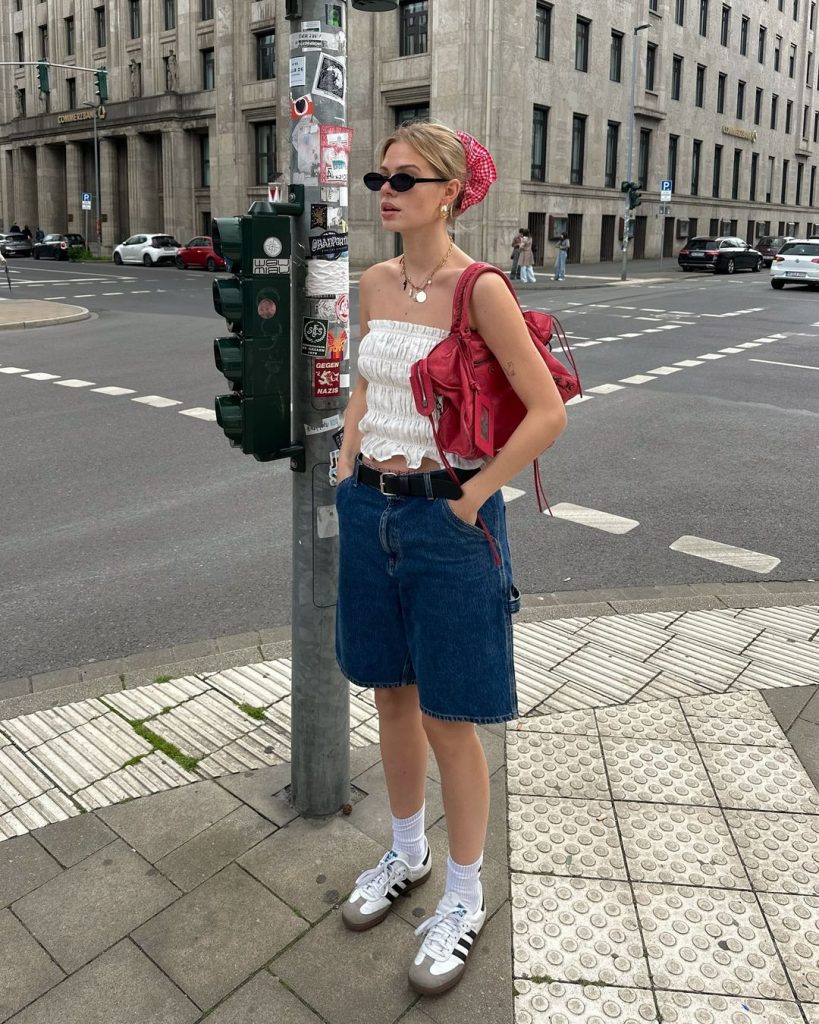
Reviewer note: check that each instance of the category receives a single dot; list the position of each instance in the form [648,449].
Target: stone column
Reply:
[75,185]
[112,228]
[25,187]
[143,202]
[178,183]
[51,196]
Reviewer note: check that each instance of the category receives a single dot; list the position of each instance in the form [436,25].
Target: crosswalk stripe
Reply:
[711,355]
[509,493]
[114,391]
[42,376]
[605,389]
[594,518]
[74,383]
[209,414]
[157,401]
[578,399]
[726,554]
[664,371]
[689,362]
[638,378]
[731,351]
[13,369]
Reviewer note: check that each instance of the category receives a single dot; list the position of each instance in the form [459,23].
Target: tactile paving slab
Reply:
[794,921]
[576,930]
[657,771]
[780,851]
[728,705]
[686,845]
[759,778]
[651,720]
[581,1004]
[685,1008]
[709,940]
[543,764]
[573,723]
[749,732]
[557,836]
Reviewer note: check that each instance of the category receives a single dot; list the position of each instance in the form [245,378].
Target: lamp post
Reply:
[98,217]
[627,207]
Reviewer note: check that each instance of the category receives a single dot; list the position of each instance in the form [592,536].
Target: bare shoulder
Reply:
[491,296]
[378,276]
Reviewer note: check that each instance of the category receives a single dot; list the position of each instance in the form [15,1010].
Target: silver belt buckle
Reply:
[392,476]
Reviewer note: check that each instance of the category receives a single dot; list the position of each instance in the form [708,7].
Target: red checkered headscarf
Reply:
[481,171]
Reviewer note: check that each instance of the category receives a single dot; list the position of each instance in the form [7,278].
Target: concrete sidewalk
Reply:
[653,851]
[16,314]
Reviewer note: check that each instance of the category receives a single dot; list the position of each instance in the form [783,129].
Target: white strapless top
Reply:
[392,425]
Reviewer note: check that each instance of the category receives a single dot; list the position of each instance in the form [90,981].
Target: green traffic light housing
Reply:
[101,85]
[227,300]
[42,77]
[226,233]
[634,199]
[227,352]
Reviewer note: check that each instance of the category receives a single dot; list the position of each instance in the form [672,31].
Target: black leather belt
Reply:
[437,484]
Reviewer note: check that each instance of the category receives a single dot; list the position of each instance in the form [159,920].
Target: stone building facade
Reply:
[197,122]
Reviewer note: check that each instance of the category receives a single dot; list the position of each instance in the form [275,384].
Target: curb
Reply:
[27,694]
[51,321]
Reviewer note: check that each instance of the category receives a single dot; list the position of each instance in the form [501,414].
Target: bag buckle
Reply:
[385,476]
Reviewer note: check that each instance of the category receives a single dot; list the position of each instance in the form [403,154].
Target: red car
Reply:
[199,252]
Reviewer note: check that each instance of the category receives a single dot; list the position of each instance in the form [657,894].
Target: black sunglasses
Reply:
[401,182]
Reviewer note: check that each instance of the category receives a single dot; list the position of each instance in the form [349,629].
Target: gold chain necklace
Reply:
[418,292]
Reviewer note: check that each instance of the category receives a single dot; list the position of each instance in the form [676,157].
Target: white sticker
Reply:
[326,522]
[311,26]
[328,423]
[272,247]
[298,71]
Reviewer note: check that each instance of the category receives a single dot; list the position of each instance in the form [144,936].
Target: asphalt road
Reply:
[129,527]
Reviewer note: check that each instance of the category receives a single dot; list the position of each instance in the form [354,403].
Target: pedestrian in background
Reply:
[39,235]
[27,232]
[560,259]
[526,257]
[514,274]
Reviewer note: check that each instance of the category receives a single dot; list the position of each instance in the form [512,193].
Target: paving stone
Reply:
[343,960]
[789,702]
[190,864]
[794,921]
[210,940]
[26,970]
[811,1013]
[728,705]
[759,778]
[581,1004]
[708,940]
[574,723]
[689,845]
[629,634]
[121,985]
[810,713]
[557,836]
[649,720]
[720,629]
[691,660]
[258,788]
[262,1000]
[24,865]
[804,738]
[685,1008]
[657,771]
[542,764]
[576,930]
[73,840]
[667,685]
[154,825]
[312,866]
[94,904]
[753,731]
[780,851]
[799,622]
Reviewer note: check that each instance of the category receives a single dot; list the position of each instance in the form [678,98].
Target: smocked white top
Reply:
[392,425]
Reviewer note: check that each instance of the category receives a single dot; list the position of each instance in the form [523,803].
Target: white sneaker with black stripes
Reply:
[450,933]
[377,889]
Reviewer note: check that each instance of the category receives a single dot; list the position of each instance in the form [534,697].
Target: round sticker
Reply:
[342,309]
[266,309]
[272,247]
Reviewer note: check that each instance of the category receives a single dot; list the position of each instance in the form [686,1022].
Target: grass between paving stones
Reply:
[169,749]
[163,679]
[257,713]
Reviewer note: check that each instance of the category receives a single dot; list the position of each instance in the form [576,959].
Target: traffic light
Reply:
[631,187]
[42,77]
[101,85]
[255,356]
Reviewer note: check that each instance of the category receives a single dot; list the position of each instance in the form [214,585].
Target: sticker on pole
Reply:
[335,144]
[272,247]
[314,337]
[298,71]
[329,245]
[326,378]
[331,78]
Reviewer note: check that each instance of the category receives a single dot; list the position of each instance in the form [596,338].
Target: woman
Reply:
[526,260]
[424,612]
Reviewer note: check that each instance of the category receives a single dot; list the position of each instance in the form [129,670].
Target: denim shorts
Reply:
[422,601]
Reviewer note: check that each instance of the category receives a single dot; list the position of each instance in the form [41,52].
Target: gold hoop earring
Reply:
[444,211]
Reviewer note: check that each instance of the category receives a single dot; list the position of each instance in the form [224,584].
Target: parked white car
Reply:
[148,249]
[796,263]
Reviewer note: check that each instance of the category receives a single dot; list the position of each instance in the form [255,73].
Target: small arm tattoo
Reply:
[510,369]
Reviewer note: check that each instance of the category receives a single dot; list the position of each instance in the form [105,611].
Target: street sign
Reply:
[666,188]
[86,200]
[665,209]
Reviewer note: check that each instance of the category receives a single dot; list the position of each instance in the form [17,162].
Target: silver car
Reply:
[15,243]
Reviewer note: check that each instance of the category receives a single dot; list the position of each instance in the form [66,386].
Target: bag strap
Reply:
[464,289]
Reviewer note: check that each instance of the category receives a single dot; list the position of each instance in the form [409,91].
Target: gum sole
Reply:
[365,925]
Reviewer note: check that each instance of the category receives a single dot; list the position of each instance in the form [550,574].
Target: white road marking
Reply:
[649,319]
[797,366]
[725,554]
[157,401]
[54,298]
[647,310]
[605,389]
[13,369]
[578,399]
[730,351]
[615,337]
[91,295]
[711,355]
[147,291]
[594,518]
[638,378]
[664,371]
[631,335]
[114,391]
[74,383]
[749,344]
[42,376]
[113,293]
[584,344]
[689,362]
[511,493]
[208,414]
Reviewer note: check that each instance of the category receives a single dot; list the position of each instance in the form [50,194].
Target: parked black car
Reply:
[57,247]
[769,246]
[724,254]
[15,243]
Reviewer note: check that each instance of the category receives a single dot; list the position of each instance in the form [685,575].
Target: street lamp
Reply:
[627,207]
[97,180]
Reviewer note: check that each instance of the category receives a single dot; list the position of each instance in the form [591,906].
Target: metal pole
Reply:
[320,772]
[626,208]
[97,177]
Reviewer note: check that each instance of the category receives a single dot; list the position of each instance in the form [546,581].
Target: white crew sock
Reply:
[465,880]
[408,839]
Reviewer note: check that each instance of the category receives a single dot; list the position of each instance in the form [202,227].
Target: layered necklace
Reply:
[418,292]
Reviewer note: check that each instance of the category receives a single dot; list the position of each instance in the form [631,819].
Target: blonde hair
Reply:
[439,146]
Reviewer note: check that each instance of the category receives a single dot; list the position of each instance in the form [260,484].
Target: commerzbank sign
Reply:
[738,133]
[81,115]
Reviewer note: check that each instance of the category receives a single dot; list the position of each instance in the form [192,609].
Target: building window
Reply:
[812,185]
[265,56]
[540,125]
[796,10]
[170,15]
[616,57]
[788,116]
[578,148]
[754,176]
[696,153]
[800,177]
[809,72]
[653,5]
[543,40]
[673,151]
[743,35]
[812,21]
[265,152]
[703,17]
[206,10]
[805,115]
[612,145]
[783,198]
[204,161]
[21,47]
[70,40]
[771,173]
[644,157]
[679,12]
[699,96]
[774,109]
[208,69]
[99,25]
[816,126]
[736,174]
[760,50]
[417,112]
[651,66]
[581,44]
[778,53]
[740,100]
[413,27]
[44,42]
[725,25]
[169,66]
[71,83]
[676,76]
[723,78]
[21,100]
[758,106]
[135,18]
[792,61]
[717,178]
